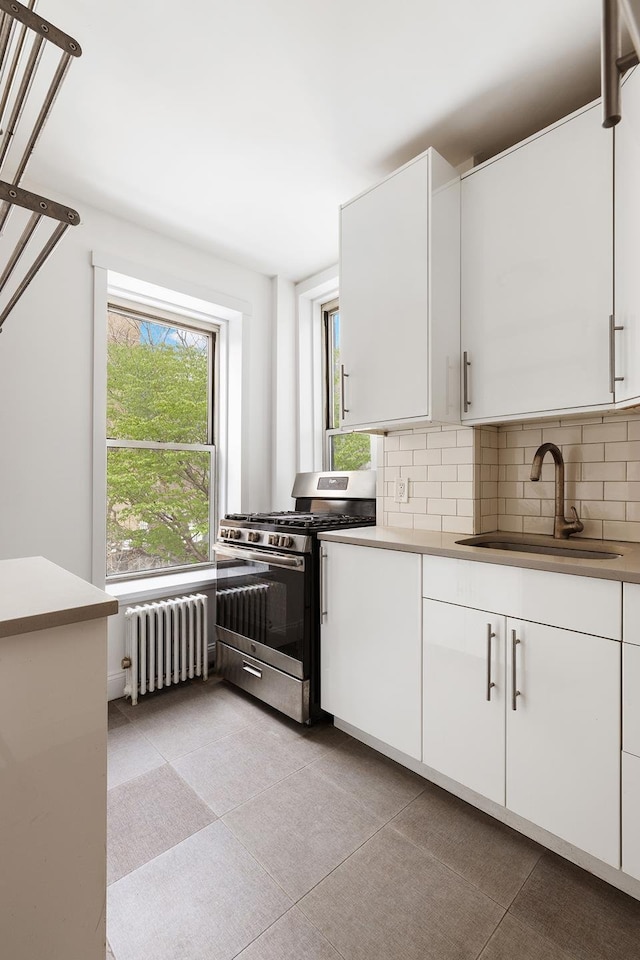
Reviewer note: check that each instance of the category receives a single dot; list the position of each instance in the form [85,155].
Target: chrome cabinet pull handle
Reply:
[612,354]
[343,376]
[490,683]
[252,670]
[323,610]
[466,363]
[514,680]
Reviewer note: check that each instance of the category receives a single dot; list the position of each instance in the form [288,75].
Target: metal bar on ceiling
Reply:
[613,65]
[39,208]
[27,94]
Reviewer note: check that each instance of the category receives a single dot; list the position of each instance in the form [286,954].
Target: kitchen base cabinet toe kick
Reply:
[521,697]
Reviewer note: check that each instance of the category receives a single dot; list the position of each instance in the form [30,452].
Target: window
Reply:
[160,452]
[342,451]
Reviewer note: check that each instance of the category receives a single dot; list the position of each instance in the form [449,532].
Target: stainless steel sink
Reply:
[574,551]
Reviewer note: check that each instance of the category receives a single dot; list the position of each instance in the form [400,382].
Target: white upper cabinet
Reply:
[537,273]
[627,230]
[400,297]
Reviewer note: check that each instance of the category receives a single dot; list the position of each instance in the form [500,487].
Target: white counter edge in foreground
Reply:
[36,594]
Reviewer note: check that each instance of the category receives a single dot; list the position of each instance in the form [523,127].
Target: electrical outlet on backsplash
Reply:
[476,479]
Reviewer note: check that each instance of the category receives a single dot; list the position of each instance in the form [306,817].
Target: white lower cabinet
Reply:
[631,815]
[545,739]
[563,735]
[371,657]
[464,696]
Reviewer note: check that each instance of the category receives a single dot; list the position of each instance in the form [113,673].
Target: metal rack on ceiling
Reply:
[35,57]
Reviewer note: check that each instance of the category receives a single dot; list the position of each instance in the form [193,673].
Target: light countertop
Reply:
[36,594]
[625,567]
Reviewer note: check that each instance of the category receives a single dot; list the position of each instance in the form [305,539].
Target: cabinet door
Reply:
[464,717]
[627,228]
[537,264]
[563,735]
[371,657]
[384,299]
[630,815]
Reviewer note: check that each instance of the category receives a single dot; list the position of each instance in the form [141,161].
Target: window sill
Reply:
[159,587]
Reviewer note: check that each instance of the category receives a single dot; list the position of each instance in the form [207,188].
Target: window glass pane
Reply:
[350,451]
[157,381]
[157,509]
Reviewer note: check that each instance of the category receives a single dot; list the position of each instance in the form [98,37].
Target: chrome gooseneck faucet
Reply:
[562,528]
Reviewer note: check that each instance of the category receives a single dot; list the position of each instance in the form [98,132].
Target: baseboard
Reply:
[115,686]
[602,870]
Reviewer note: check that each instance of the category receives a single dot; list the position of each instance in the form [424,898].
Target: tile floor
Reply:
[235,833]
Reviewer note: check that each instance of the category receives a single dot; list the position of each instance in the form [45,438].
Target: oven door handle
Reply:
[274,559]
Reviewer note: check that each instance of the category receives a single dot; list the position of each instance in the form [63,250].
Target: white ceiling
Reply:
[239,126]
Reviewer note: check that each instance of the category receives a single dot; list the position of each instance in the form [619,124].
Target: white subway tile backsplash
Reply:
[622,451]
[459,524]
[464,438]
[512,455]
[418,474]
[562,435]
[490,455]
[613,470]
[542,489]
[613,530]
[414,441]
[465,471]
[427,457]
[443,439]
[428,522]
[430,488]
[441,472]
[592,490]
[399,520]
[458,490]
[510,523]
[461,455]
[414,505]
[622,491]
[488,523]
[522,507]
[525,438]
[399,458]
[602,510]
[514,491]
[477,480]
[443,506]
[537,525]
[608,432]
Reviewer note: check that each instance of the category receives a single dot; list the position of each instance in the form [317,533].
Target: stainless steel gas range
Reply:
[268,589]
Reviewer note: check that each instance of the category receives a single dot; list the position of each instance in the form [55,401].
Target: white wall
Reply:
[46,356]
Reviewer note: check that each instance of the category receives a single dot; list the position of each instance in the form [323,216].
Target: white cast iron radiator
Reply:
[166,643]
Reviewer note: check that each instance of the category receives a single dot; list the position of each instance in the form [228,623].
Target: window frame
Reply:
[141,312]
[327,310]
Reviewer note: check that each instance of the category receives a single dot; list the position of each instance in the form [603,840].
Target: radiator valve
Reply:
[125,663]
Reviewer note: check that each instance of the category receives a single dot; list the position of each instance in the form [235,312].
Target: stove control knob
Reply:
[273,540]
[236,534]
[224,532]
[286,542]
[254,536]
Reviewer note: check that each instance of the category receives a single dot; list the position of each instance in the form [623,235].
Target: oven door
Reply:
[263,606]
